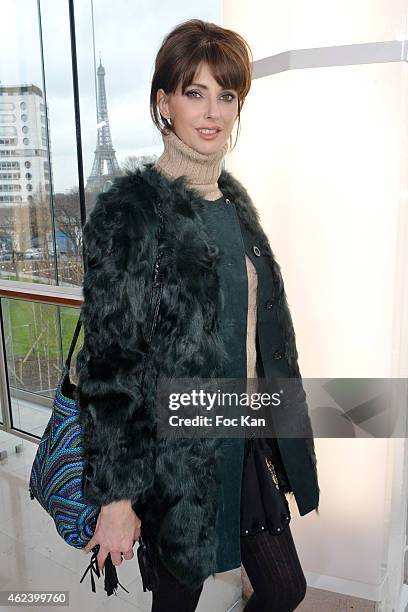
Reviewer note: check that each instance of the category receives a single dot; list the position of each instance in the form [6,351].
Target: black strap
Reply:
[73,343]
[156,282]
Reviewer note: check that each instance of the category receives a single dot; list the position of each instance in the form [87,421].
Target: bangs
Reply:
[227,69]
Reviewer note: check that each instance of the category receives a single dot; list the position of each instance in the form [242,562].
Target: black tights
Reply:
[274,569]
[272,565]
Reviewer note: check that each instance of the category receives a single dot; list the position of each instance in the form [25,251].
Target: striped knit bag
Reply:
[57,473]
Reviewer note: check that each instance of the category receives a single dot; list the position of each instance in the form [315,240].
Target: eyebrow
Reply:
[204,86]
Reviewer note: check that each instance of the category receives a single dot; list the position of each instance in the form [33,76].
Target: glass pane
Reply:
[23,150]
[34,335]
[40,236]
[63,144]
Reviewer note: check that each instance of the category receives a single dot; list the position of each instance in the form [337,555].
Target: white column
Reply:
[323,153]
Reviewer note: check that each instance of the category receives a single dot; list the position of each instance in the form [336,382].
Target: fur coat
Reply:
[171,483]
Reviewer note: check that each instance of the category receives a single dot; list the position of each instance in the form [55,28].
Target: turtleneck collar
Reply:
[201,171]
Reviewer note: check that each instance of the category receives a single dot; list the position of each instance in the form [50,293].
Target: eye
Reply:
[191,93]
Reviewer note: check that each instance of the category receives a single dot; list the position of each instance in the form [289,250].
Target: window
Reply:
[7,118]
[28,175]
[24,129]
[24,117]
[8,130]
[4,176]
[7,165]
[10,187]
[26,141]
[23,105]
[11,198]
[27,164]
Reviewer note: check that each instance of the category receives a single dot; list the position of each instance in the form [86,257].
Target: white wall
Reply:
[323,154]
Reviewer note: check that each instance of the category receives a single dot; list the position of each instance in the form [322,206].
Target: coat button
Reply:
[227,201]
[278,355]
[269,305]
[256,251]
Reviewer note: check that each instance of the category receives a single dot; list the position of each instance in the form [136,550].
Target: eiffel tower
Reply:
[104,152]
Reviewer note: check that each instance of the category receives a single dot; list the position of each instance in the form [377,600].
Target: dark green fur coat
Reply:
[171,483]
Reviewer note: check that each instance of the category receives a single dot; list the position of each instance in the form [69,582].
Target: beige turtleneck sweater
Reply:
[202,173]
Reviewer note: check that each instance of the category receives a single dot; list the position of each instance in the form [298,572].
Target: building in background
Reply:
[24,168]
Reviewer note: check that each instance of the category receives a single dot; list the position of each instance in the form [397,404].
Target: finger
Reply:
[128,555]
[116,558]
[101,558]
[89,546]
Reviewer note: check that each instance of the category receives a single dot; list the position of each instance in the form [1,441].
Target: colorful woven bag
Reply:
[56,479]
[57,474]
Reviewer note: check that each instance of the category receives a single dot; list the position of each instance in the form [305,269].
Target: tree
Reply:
[133,162]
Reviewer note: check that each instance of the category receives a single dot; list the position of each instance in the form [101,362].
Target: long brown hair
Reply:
[184,48]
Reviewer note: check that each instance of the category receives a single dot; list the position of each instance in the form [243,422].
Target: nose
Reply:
[212,109]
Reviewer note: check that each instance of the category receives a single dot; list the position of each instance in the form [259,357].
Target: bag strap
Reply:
[73,343]
[156,282]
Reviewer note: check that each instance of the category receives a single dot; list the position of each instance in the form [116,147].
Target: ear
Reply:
[162,103]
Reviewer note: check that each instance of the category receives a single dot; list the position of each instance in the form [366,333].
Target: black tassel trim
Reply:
[93,566]
[111,577]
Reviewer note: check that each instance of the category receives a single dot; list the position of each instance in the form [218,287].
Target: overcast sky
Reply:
[128,34]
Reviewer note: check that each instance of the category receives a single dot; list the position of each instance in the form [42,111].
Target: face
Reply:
[204,104]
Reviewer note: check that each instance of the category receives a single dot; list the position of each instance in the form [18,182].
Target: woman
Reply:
[223,312]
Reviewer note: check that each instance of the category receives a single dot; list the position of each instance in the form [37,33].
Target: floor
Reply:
[33,556]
